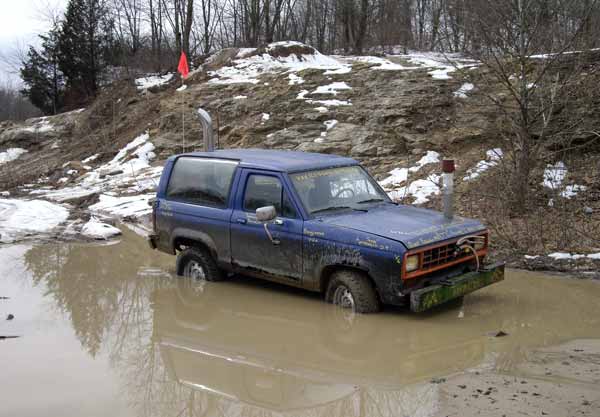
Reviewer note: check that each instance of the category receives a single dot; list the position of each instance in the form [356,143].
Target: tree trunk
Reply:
[189,18]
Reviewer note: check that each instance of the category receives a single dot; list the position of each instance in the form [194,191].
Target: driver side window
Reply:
[264,190]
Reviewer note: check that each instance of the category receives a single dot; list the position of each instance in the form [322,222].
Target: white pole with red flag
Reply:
[184,70]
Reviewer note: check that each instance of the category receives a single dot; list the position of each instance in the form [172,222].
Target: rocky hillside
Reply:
[397,114]
[380,111]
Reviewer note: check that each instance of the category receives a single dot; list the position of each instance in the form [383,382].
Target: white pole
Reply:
[448,185]
[182,116]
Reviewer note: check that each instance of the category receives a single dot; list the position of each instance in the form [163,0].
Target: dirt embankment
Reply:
[387,113]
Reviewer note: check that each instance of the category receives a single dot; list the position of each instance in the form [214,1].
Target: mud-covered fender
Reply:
[327,248]
[195,235]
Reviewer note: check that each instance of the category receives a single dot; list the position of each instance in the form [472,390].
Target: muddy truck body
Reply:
[314,221]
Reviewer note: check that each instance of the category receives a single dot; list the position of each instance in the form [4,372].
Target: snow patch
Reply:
[11,154]
[90,158]
[332,88]
[134,206]
[22,217]
[421,189]
[554,175]
[243,52]
[330,124]
[247,69]
[344,69]
[463,90]
[240,97]
[302,95]
[442,64]
[378,63]
[129,171]
[572,190]
[152,80]
[399,175]
[265,117]
[431,157]
[551,55]
[295,79]
[572,256]
[95,229]
[493,157]
[41,125]
[330,103]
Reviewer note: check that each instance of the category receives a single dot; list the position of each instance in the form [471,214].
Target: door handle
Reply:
[241,220]
[278,222]
[273,240]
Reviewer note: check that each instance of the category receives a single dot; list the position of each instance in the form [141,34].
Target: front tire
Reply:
[352,290]
[198,264]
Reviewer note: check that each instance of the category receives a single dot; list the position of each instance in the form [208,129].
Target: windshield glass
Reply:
[337,188]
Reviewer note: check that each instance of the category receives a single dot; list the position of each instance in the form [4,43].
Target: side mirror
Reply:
[265,214]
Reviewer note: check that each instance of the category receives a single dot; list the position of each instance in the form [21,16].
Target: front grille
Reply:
[440,255]
[448,254]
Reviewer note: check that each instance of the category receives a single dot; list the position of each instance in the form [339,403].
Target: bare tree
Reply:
[536,87]
[128,17]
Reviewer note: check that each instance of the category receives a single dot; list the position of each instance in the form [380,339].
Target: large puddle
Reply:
[108,330]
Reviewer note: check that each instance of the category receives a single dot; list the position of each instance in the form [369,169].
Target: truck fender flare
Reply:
[325,272]
[196,236]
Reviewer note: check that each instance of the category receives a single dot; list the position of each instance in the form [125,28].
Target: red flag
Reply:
[182,68]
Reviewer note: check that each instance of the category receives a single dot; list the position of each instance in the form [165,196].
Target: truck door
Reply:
[251,247]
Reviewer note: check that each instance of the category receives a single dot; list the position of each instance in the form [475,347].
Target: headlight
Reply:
[412,263]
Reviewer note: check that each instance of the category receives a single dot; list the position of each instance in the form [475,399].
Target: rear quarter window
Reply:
[201,181]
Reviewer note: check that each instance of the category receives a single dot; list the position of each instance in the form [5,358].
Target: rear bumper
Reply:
[433,295]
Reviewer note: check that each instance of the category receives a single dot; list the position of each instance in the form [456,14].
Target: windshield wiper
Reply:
[330,208]
[370,200]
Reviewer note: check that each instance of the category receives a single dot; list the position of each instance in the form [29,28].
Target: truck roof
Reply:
[276,160]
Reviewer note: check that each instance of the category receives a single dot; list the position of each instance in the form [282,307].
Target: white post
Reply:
[448,187]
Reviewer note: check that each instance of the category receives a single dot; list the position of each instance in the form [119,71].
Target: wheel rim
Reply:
[194,270]
[343,298]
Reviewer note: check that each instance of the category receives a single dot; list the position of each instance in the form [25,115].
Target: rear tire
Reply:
[352,290]
[198,264]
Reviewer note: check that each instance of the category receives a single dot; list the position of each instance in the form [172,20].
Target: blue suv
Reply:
[314,221]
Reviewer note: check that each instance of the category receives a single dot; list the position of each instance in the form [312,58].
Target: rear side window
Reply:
[262,191]
[201,181]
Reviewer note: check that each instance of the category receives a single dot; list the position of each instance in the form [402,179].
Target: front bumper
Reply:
[433,295]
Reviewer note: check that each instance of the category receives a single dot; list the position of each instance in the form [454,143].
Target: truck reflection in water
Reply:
[242,347]
[273,353]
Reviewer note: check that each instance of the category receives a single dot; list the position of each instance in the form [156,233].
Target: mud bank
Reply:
[553,381]
[107,329]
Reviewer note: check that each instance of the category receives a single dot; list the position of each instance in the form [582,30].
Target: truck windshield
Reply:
[336,189]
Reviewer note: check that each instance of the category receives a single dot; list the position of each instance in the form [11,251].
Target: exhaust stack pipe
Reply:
[207,132]
[448,187]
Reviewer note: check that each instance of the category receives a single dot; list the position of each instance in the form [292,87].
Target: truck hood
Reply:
[411,226]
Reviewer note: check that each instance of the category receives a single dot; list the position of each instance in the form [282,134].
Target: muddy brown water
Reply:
[108,330]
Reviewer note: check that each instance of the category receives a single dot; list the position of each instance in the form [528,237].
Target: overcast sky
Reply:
[20,23]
